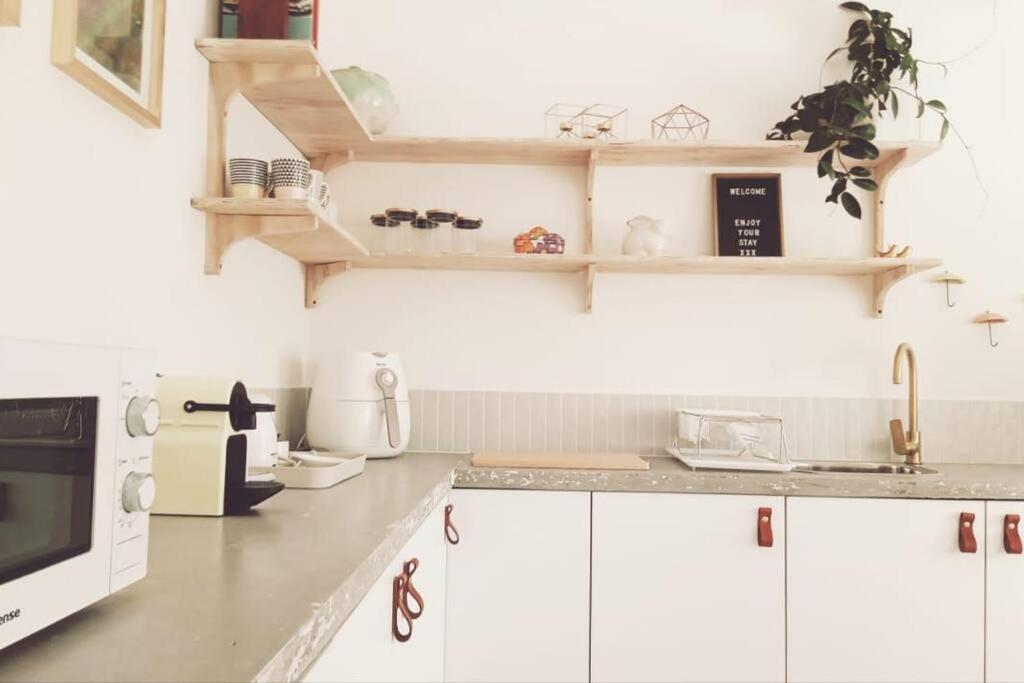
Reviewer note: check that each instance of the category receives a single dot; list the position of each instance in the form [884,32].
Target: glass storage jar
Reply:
[465,231]
[445,219]
[386,236]
[405,217]
[424,236]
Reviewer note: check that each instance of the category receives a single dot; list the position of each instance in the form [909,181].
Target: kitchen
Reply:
[588,353]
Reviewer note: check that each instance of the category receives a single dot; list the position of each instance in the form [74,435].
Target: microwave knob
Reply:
[138,492]
[143,416]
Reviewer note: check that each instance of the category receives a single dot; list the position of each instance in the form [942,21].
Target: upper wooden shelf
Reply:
[313,113]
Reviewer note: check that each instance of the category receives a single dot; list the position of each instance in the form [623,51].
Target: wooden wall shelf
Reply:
[287,82]
[10,12]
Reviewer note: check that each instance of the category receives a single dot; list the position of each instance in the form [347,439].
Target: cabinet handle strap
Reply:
[765,537]
[1011,535]
[410,568]
[968,543]
[450,532]
[398,609]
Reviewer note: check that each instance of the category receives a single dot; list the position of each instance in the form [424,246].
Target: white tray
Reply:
[309,476]
[730,463]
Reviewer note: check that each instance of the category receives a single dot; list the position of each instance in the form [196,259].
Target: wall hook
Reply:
[989,318]
[950,279]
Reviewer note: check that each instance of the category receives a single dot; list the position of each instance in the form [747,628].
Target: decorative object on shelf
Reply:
[115,49]
[424,236]
[318,192]
[948,279]
[747,211]
[597,121]
[465,240]
[370,95]
[289,178]
[646,237]
[405,217]
[680,123]
[989,318]
[560,120]
[249,178]
[386,239]
[10,12]
[539,241]
[841,118]
[895,252]
[280,19]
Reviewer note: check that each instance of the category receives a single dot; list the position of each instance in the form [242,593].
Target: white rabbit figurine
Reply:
[646,237]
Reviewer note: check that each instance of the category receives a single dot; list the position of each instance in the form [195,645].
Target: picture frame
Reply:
[747,214]
[115,48]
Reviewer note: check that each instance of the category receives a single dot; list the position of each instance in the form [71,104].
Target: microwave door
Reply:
[47,476]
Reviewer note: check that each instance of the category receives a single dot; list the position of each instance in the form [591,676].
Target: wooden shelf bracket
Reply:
[883,282]
[317,274]
[588,287]
[883,173]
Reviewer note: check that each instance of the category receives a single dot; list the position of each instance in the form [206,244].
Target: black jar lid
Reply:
[382,221]
[402,215]
[442,215]
[468,223]
[424,223]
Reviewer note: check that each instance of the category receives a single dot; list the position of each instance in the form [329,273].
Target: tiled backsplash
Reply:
[816,428]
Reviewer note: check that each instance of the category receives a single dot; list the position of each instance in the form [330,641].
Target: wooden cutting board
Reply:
[568,461]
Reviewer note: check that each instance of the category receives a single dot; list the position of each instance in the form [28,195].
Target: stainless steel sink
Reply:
[863,468]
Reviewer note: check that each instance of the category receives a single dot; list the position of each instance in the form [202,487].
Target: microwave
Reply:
[76,442]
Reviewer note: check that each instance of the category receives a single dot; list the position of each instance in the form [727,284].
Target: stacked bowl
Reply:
[248,178]
[290,178]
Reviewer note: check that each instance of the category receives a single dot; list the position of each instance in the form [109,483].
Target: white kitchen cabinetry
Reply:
[364,649]
[519,586]
[1004,634]
[684,589]
[880,590]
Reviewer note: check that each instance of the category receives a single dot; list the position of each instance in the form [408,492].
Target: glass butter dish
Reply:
[730,440]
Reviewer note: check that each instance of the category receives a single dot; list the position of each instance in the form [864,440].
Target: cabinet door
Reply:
[364,649]
[519,586]
[879,590]
[683,591]
[1004,645]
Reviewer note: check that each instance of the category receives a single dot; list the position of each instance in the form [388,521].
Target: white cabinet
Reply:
[684,589]
[519,586]
[1004,634]
[879,590]
[364,649]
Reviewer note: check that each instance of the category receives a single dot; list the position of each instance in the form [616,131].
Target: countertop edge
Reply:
[292,660]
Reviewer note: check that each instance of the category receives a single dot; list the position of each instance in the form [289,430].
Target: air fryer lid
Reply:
[241,411]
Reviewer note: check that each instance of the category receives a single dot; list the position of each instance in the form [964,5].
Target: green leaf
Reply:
[865,184]
[859,106]
[855,6]
[851,204]
[860,172]
[834,53]
[894,103]
[867,131]
[945,129]
[937,105]
[818,141]
[920,108]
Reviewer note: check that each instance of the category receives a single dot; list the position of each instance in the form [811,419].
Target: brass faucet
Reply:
[908,442]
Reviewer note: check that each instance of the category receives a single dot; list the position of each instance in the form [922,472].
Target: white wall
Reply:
[98,243]
[464,67]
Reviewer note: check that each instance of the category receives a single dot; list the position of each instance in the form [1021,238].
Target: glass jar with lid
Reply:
[444,218]
[405,218]
[385,236]
[465,232]
[424,236]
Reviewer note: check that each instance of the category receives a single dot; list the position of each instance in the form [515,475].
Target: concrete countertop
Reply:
[668,475]
[253,597]
[256,597]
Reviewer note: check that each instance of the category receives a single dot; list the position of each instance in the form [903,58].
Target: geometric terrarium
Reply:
[680,123]
[597,121]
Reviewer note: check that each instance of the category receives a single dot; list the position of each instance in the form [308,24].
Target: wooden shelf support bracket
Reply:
[883,172]
[227,79]
[317,274]
[883,282]
[588,205]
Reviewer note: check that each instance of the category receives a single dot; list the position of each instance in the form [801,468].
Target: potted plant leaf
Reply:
[840,119]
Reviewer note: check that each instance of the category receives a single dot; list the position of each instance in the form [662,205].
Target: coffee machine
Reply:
[200,453]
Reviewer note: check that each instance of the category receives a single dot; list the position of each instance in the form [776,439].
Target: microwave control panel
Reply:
[134,490]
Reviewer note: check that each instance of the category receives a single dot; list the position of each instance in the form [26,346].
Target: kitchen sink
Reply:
[863,468]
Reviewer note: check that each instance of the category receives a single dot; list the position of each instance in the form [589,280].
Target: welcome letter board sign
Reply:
[748,214]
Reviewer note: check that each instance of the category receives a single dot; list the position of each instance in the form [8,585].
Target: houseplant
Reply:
[840,119]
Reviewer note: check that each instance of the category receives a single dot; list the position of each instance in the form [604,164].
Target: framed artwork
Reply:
[747,214]
[116,49]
